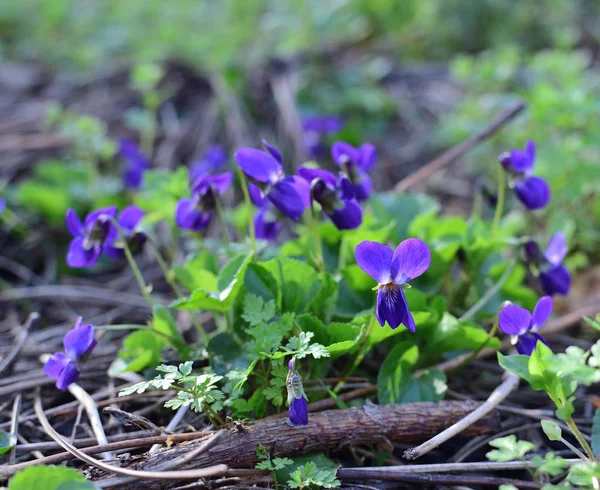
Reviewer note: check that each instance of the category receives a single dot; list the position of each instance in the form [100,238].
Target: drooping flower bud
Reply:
[296,397]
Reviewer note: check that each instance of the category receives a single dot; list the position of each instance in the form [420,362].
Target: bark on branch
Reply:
[334,429]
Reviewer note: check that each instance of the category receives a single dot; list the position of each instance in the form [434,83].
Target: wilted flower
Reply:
[136,163]
[522,325]
[315,128]
[554,276]
[296,397]
[532,191]
[355,162]
[196,212]
[79,343]
[335,195]
[129,222]
[264,169]
[89,237]
[392,270]
[214,159]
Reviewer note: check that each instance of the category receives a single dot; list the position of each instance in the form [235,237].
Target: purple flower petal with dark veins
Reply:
[411,259]
[557,249]
[527,342]
[130,218]
[391,306]
[259,165]
[299,411]
[514,320]
[100,215]
[376,260]
[533,192]
[310,174]
[302,188]
[219,182]
[286,199]
[555,280]
[79,341]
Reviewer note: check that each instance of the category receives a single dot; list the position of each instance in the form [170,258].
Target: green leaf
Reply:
[164,322]
[7,442]
[311,474]
[230,281]
[452,335]
[395,372]
[551,464]
[379,334]
[582,474]
[260,282]
[593,323]
[338,338]
[596,433]
[140,350]
[517,364]
[256,311]
[509,449]
[44,478]
[298,282]
[552,430]
[323,305]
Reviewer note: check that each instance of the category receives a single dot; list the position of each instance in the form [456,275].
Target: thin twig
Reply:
[91,409]
[14,427]
[172,425]
[459,150]
[510,383]
[451,467]
[7,361]
[160,474]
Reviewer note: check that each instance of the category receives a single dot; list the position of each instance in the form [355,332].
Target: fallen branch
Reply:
[459,150]
[371,424]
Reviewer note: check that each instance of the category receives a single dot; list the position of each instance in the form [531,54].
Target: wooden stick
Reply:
[458,150]
[370,424]
[498,395]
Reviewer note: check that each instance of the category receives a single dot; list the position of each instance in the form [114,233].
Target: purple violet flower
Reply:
[315,129]
[554,276]
[136,163]
[196,212]
[63,367]
[265,170]
[214,159]
[129,221]
[522,326]
[355,162]
[392,270]
[297,400]
[335,195]
[532,191]
[2,205]
[89,237]
[267,222]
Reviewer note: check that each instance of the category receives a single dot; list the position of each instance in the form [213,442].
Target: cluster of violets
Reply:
[279,196]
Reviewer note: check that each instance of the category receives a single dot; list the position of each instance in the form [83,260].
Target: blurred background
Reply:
[412,76]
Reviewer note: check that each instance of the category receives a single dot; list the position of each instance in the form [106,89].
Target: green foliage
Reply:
[552,430]
[49,478]
[596,433]
[7,442]
[196,391]
[310,474]
[509,449]
[269,464]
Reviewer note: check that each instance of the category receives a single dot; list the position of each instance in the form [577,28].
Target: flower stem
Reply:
[577,433]
[315,227]
[221,216]
[500,201]
[244,185]
[178,292]
[133,264]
